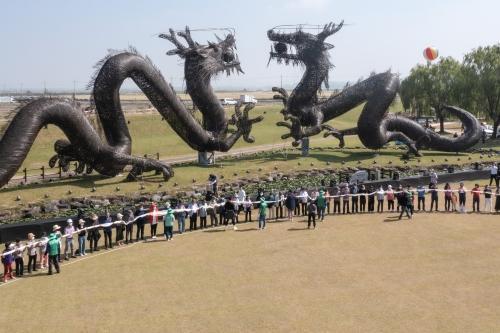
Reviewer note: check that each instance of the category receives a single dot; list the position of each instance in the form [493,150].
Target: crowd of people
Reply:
[129,225]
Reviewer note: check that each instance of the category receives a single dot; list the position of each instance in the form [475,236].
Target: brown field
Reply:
[354,273]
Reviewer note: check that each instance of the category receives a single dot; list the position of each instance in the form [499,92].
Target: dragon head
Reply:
[309,48]
[206,60]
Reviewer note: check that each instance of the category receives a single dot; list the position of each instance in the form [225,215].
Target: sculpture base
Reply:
[304,144]
[206,158]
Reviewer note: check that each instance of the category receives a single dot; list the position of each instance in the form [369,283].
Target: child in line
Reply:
[7,261]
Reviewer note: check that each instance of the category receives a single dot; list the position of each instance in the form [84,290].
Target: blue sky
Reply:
[57,42]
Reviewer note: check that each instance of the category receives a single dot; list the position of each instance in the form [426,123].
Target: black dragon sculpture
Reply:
[306,116]
[111,154]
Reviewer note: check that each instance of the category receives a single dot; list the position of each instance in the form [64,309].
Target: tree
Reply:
[482,71]
[432,86]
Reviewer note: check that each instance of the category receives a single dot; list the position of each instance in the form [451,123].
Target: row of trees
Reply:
[473,84]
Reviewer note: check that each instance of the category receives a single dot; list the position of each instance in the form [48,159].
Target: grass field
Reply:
[151,135]
[354,273]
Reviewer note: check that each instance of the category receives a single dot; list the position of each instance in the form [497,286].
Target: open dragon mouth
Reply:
[284,52]
[232,66]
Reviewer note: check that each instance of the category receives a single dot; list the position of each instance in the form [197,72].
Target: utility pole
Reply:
[74,89]
[44,88]
[281,81]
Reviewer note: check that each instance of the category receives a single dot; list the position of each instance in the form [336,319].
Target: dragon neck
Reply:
[203,96]
[305,93]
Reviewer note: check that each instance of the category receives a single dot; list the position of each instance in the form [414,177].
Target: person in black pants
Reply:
[140,223]
[403,201]
[434,197]
[94,234]
[371,199]
[279,205]
[296,210]
[108,231]
[230,213]
[362,198]
[354,199]
[312,210]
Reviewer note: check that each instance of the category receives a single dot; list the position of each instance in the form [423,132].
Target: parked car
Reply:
[488,129]
[228,101]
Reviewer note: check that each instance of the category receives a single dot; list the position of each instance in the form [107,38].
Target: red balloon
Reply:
[430,53]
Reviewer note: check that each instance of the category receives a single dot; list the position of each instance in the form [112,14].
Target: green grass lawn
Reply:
[151,135]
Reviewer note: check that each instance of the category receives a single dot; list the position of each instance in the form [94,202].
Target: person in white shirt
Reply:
[68,232]
[494,174]
[434,177]
[241,194]
[303,201]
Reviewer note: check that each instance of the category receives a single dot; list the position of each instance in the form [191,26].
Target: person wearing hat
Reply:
[262,213]
[120,228]
[82,234]
[321,203]
[139,213]
[168,223]
[56,229]
[7,260]
[53,249]
[32,249]
[68,232]
[93,234]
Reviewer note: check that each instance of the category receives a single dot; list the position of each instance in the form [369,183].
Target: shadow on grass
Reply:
[298,229]
[392,218]
[245,230]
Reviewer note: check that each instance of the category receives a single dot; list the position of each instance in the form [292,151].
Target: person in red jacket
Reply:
[153,219]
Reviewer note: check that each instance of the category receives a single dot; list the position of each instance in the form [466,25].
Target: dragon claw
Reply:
[329,130]
[243,122]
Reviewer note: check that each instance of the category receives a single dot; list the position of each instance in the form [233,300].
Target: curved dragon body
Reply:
[375,127]
[111,155]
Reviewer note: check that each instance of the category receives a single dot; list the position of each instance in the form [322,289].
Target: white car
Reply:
[228,101]
[488,129]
